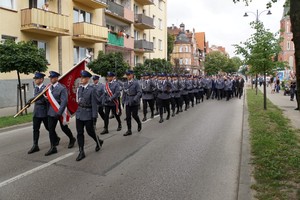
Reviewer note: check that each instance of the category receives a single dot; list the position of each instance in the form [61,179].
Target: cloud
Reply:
[222,20]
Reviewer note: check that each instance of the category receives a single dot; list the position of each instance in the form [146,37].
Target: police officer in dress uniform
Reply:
[99,89]
[228,88]
[39,111]
[148,89]
[185,92]
[110,101]
[190,89]
[86,113]
[176,95]
[60,94]
[131,97]
[164,88]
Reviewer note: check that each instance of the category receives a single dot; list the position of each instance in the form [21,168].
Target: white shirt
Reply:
[55,84]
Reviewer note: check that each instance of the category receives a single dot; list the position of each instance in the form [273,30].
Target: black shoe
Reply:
[125,119]
[104,132]
[128,133]
[100,143]
[119,128]
[161,120]
[111,117]
[297,109]
[57,141]
[51,151]
[144,119]
[139,127]
[80,156]
[35,148]
[177,112]
[157,113]
[152,115]
[173,114]
[168,117]
[71,143]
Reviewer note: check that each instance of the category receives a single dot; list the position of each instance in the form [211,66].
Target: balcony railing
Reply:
[44,22]
[95,4]
[87,32]
[143,22]
[115,8]
[119,12]
[143,45]
[145,2]
[114,39]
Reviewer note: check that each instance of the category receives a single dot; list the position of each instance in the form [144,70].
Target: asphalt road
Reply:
[194,156]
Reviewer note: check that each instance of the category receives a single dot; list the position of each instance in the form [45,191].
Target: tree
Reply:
[111,62]
[233,65]
[22,57]
[295,21]
[158,65]
[259,51]
[215,62]
[171,40]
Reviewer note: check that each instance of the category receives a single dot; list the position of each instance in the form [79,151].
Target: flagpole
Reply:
[45,90]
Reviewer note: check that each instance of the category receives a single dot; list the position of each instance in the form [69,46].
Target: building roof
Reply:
[201,41]
[286,11]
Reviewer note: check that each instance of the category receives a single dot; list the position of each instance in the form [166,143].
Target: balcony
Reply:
[129,43]
[118,12]
[44,22]
[143,22]
[145,2]
[143,46]
[115,40]
[87,32]
[95,4]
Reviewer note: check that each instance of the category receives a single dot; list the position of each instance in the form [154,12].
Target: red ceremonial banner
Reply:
[72,81]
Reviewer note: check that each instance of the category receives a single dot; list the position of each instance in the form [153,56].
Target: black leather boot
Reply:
[34,148]
[99,144]
[105,131]
[128,133]
[81,154]
[51,151]
[139,127]
[71,143]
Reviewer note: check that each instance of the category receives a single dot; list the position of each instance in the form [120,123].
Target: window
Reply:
[154,42]
[81,53]
[144,36]
[160,45]
[136,35]
[136,60]
[187,49]
[36,3]
[6,37]
[160,4]
[181,61]
[82,16]
[135,9]
[160,24]
[287,27]
[187,61]
[288,45]
[180,49]
[44,46]
[154,20]
[7,4]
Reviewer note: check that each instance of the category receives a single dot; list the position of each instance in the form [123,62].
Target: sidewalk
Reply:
[287,106]
[10,111]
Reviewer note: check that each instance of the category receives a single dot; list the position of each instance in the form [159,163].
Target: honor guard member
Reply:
[201,88]
[164,88]
[190,89]
[86,113]
[110,101]
[148,89]
[176,93]
[60,94]
[131,97]
[99,94]
[115,80]
[154,79]
[208,87]
[196,89]
[185,92]
[228,88]
[39,111]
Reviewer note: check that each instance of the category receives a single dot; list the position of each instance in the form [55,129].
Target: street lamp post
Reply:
[257,16]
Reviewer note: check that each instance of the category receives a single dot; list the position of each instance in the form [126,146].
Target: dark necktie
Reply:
[52,88]
[36,90]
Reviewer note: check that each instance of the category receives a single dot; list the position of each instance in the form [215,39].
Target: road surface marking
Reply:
[20,176]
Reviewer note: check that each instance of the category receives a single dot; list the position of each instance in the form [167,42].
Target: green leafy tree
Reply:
[259,51]
[111,62]
[171,40]
[215,62]
[140,69]
[22,57]
[233,65]
[158,65]
[295,22]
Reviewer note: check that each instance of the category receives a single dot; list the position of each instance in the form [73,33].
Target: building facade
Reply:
[70,30]
[186,53]
[287,45]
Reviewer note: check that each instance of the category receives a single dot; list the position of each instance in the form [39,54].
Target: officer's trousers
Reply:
[163,103]
[52,122]
[36,128]
[191,98]
[186,100]
[107,111]
[89,127]
[132,111]
[147,102]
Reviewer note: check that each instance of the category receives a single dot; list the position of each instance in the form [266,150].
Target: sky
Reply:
[222,20]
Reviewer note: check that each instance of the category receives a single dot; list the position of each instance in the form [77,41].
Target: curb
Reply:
[9,128]
[245,179]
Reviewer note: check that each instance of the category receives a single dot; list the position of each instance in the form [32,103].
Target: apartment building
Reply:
[70,30]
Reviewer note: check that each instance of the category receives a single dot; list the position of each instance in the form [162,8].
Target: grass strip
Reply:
[11,121]
[275,150]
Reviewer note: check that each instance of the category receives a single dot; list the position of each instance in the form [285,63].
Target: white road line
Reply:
[4,183]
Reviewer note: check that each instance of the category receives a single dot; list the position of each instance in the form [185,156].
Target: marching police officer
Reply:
[39,111]
[176,95]
[185,92]
[131,97]
[60,95]
[110,101]
[164,88]
[148,88]
[86,113]
[99,94]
